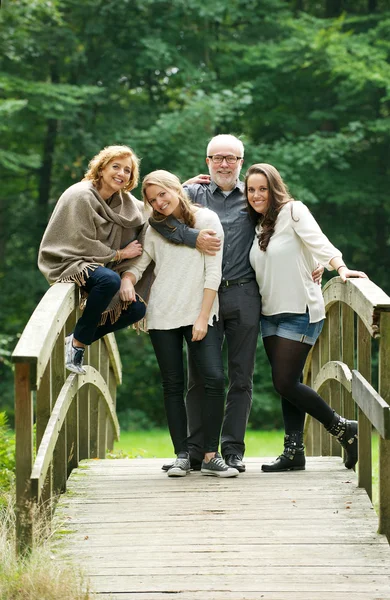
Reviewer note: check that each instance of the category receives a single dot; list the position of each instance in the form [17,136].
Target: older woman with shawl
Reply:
[93,233]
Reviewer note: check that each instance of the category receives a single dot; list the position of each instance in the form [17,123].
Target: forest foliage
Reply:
[306,85]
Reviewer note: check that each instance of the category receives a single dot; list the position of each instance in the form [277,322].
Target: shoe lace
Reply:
[218,461]
[181,463]
[78,356]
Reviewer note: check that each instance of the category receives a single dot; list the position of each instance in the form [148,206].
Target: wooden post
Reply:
[347,353]
[43,412]
[323,446]
[384,445]
[60,452]
[364,367]
[335,386]
[24,456]
[312,431]
[94,403]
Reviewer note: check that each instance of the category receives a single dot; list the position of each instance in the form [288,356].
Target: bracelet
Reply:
[345,266]
[118,256]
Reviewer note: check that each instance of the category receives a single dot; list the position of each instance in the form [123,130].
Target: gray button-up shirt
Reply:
[236,222]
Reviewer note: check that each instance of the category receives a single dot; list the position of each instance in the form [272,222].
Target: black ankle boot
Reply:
[346,433]
[292,457]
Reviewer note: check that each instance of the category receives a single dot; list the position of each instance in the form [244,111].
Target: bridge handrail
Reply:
[341,367]
[74,414]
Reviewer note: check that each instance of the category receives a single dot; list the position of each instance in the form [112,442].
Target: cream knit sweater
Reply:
[181,274]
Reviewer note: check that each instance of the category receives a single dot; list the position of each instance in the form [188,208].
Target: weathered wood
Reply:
[347,357]
[57,419]
[309,535]
[333,370]
[24,454]
[384,445]
[42,330]
[112,388]
[334,387]
[323,449]
[365,298]
[94,405]
[372,404]
[364,424]
[84,425]
[102,420]
[57,451]
[40,353]
[43,410]
[113,353]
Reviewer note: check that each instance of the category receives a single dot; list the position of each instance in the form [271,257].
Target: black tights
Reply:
[287,359]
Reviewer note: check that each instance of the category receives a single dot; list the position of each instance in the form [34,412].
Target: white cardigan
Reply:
[283,271]
[181,273]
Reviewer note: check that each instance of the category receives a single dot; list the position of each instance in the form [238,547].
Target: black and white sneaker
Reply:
[181,466]
[217,467]
[74,357]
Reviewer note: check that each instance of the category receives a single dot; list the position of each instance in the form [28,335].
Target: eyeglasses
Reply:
[231,160]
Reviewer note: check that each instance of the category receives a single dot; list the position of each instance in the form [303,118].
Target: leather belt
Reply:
[229,282]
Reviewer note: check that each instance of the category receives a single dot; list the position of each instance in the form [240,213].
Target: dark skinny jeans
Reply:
[102,285]
[206,355]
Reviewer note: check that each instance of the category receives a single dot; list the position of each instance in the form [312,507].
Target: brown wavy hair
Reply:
[278,195]
[105,156]
[169,182]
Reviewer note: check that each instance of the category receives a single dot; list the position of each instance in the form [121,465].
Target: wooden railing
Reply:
[74,415]
[342,369]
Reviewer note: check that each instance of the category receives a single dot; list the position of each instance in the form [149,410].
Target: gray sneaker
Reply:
[217,467]
[74,357]
[181,466]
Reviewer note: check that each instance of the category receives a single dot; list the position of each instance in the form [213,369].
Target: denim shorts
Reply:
[291,326]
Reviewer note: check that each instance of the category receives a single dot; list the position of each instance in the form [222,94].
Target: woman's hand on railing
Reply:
[346,273]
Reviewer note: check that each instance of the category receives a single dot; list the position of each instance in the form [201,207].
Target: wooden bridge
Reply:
[141,535]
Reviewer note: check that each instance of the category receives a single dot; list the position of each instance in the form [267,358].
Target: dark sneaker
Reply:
[181,466]
[194,463]
[217,467]
[74,357]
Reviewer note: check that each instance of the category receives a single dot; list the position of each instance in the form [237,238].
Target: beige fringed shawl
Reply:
[86,231]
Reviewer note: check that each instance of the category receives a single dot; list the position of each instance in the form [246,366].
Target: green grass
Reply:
[156,443]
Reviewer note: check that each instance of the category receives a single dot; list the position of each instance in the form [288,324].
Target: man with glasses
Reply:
[239,299]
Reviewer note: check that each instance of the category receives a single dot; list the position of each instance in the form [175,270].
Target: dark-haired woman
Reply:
[287,245]
[92,234]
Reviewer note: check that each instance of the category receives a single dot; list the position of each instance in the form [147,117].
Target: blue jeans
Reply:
[296,327]
[102,285]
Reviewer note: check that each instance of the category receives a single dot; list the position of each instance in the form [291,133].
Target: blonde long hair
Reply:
[169,182]
[105,156]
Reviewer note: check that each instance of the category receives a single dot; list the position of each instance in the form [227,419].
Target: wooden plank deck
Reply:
[306,535]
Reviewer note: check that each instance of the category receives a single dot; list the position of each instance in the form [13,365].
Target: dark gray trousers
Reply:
[238,324]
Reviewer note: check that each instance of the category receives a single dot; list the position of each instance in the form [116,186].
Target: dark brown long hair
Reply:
[278,195]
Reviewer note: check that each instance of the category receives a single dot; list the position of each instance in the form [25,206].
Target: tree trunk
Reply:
[45,172]
[333,8]
[372,5]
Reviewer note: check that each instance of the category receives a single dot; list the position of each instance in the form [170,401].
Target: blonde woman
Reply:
[90,238]
[183,306]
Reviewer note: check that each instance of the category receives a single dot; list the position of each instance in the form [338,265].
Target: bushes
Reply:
[7,455]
